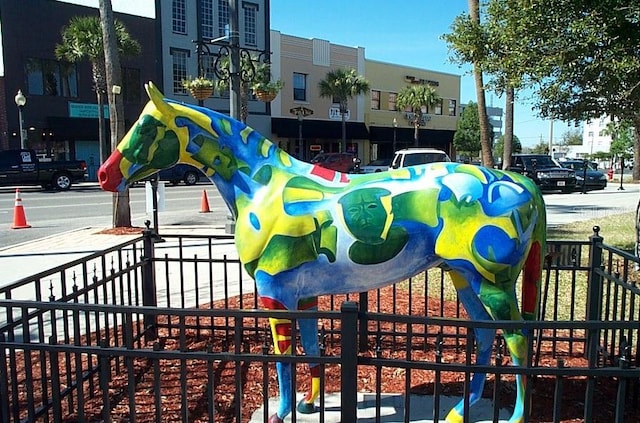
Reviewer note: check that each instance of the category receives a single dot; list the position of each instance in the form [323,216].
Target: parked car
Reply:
[595,179]
[340,162]
[380,165]
[417,156]
[545,172]
[22,167]
[180,173]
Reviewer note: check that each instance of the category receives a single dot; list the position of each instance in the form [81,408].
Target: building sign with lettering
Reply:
[334,114]
[87,110]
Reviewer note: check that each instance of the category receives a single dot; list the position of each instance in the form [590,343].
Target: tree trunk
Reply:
[343,114]
[416,133]
[485,128]
[508,129]
[121,206]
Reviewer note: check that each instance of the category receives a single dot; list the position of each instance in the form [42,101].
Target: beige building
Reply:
[302,63]
[385,123]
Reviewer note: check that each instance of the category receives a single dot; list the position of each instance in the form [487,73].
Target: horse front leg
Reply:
[309,339]
[484,342]
[281,333]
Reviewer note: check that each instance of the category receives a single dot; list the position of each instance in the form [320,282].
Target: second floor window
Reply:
[452,107]
[223,18]
[131,85]
[299,87]
[392,102]
[438,110]
[375,100]
[208,22]
[179,16]
[179,71]
[51,78]
[250,24]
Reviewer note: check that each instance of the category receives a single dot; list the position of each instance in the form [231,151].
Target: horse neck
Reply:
[253,158]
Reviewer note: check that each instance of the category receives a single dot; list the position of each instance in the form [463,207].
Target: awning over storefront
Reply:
[74,128]
[314,128]
[439,138]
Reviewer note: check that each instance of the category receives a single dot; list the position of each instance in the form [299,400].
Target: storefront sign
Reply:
[87,110]
[334,114]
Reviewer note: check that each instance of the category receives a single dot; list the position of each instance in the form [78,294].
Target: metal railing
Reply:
[168,330]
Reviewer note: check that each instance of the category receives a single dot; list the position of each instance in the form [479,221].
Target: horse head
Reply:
[166,133]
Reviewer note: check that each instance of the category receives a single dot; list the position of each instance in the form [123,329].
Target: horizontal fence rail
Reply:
[169,330]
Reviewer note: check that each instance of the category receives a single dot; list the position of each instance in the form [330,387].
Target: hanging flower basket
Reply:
[201,93]
[266,96]
[200,87]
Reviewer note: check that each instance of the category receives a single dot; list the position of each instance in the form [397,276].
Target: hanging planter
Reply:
[266,96]
[201,93]
[200,87]
[263,87]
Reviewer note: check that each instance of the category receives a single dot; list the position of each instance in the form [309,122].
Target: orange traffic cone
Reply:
[19,218]
[204,203]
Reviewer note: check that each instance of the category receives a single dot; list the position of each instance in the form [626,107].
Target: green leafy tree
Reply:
[498,147]
[341,85]
[621,133]
[467,136]
[416,99]
[572,137]
[82,39]
[583,58]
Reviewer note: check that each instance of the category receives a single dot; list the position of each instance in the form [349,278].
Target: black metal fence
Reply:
[169,330]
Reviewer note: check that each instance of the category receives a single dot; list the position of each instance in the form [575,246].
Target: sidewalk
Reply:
[26,259]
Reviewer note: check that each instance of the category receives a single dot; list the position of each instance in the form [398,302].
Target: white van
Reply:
[417,156]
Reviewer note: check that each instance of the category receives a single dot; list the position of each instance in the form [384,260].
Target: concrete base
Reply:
[391,410]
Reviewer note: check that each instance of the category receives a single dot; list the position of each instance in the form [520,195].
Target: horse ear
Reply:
[158,99]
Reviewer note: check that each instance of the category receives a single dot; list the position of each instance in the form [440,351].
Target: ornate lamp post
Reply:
[21,100]
[300,112]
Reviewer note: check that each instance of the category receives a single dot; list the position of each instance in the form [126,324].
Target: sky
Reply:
[405,33]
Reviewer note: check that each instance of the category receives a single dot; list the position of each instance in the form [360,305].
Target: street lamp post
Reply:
[21,100]
[395,128]
[300,112]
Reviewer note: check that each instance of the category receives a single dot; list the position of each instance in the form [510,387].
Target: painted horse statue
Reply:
[304,231]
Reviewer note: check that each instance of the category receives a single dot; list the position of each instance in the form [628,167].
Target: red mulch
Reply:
[392,380]
[124,230]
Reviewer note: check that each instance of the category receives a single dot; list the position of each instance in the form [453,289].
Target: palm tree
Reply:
[113,73]
[341,85]
[416,99]
[83,39]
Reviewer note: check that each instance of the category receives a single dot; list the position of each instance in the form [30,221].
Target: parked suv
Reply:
[545,172]
[417,156]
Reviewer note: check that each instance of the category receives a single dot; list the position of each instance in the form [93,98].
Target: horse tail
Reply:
[532,270]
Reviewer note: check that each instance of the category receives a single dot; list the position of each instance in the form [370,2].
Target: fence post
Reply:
[349,383]
[594,294]
[149,281]
[362,332]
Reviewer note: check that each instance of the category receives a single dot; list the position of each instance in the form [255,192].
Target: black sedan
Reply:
[595,179]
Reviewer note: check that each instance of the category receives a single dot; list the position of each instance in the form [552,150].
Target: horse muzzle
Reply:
[109,174]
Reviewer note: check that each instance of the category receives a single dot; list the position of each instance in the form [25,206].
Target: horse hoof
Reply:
[305,407]
[275,419]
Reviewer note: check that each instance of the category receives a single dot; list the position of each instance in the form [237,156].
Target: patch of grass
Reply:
[617,230]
